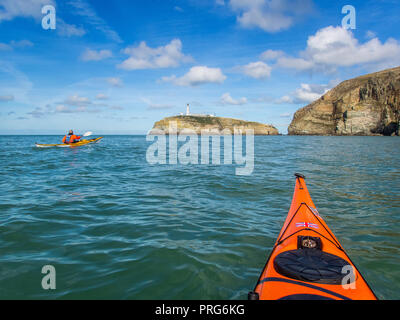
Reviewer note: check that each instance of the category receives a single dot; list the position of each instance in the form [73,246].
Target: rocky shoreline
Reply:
[368,105]
[209,124]
[365,106]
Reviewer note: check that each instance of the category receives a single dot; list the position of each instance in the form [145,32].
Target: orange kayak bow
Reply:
[307,261]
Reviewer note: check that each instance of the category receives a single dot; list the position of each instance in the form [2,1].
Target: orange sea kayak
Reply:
[307,261]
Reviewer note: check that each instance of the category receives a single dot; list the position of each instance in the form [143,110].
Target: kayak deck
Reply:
[307,261]
[72,145]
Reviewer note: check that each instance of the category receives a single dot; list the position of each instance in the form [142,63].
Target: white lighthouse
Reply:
[187,110]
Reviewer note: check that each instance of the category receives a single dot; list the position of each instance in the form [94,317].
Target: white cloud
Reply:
[76,100]
[156,106]
[5,47]
[18,84]
[40,112]
[285,115]
[271,55]
[144,57]
[226,99]
[21,43]
[15,44]
[270,15]
[263,99]
[6,98]
[284,100]
[66,109]
[10,9]
[334,47]
[73,104]
[298,64]
[370,34]
[36,113]
[307,93]
[84,9]
[101,96]
[93,55]
[115,82]
[198,75]
[69,30]
[61,108]
[257,70]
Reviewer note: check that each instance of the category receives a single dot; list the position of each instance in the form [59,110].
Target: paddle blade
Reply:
[87,134]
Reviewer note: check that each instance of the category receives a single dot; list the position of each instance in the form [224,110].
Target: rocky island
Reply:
[212,124]
[367,105]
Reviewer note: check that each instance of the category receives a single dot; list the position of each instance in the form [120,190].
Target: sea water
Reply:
[114,226]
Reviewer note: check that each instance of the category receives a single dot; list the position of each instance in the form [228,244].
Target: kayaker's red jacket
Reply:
[71,138]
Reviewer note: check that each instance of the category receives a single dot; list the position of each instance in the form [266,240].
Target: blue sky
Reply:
[116,67]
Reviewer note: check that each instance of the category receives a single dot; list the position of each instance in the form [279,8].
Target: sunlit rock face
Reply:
[367,105]
[211,125]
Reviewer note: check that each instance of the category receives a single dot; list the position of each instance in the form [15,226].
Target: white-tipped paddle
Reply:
[87,134]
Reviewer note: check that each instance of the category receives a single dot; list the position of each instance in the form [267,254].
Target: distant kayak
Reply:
[72,145]
[307,261]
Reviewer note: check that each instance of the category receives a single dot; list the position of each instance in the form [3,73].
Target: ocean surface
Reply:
[116,227]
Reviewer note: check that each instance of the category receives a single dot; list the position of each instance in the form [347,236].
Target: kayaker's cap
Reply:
[71,132]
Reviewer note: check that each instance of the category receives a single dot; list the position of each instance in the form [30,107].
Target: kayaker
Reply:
[71,138]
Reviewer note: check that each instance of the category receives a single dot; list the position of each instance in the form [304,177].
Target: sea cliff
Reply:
[367,105]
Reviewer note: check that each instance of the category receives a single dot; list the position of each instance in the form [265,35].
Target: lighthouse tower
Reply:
[187,110]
